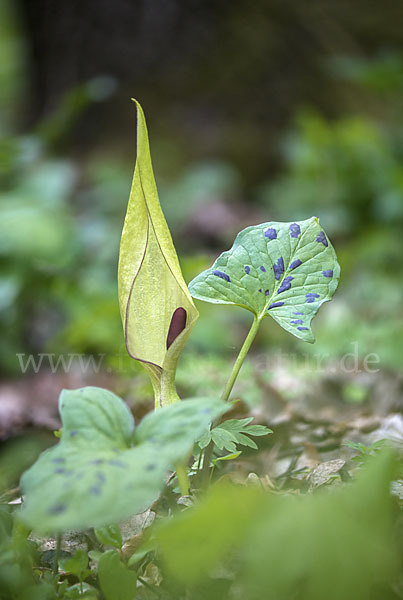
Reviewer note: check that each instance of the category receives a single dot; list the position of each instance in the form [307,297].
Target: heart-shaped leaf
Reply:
[285,270]
[156,308]
[99,473]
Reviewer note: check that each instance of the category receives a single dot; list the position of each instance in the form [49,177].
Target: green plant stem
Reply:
[228,388]
[241,357]
[183,479]
[57,554]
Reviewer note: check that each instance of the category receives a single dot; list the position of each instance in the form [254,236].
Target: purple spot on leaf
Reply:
[270,233]
[95,490]
[275,305]
[177,325]
[278,268]
[118,463]
[58,460]
[266,292]
[321,239]
[295,264]
[57,509]
[221,275]
[295,230]
[285,285]
[73,433]
[101,477]
[298,313]
[311,297]
[263,269]
[303,328]
[328,273]
[247,269]
[297,322]
[260,290]
[60,470]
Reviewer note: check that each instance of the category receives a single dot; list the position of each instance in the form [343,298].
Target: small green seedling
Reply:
[104,469]
[109,535]
[77,565]
[365,452]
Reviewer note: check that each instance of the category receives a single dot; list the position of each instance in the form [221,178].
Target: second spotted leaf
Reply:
[285,270]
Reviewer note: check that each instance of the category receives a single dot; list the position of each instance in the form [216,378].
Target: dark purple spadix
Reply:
[177,325]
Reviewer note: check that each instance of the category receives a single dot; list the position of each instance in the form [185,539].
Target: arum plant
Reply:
[105,468]
[157,310]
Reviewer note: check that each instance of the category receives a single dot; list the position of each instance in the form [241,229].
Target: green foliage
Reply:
[110,535]
[285,270]
[326,545]
[226,457]
[365,452]
[76,565]
[18,555]
[336,544]
[117,581]
[362,449]
[197,540]
[99,473]
[233,432]
[17,456]
[348,171]
[67,260]
[382,73]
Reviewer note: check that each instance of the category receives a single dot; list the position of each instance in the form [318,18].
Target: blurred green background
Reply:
[274,110]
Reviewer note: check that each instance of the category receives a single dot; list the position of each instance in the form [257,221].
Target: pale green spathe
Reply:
[151,285]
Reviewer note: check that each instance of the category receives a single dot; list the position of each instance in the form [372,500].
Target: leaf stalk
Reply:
[228,388]
[241,357]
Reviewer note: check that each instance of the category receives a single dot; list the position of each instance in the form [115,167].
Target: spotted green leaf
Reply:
[100,473]
[285,270]
[156,308]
